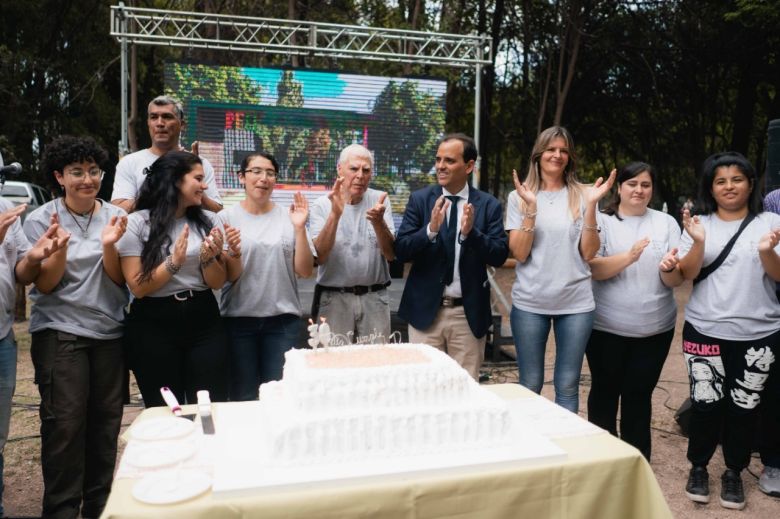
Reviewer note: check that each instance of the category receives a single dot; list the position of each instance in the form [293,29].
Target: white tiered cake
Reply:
[354,402]
[358,413]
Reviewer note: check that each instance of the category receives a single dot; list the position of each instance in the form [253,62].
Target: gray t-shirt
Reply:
[554,279]
[86,302]
[190,276]
[267,285]
[635,302]
[15,246]
[130,175]
[356,258]
[737,301]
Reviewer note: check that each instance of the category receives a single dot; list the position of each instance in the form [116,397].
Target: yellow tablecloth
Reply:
[602,477]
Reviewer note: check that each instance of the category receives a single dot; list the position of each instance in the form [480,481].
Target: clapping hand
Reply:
[50,242]
[598,190]
[769,241]
[7,219]
[299,210]
[525,194]
[637,248]
[336,197]
[669,262]
[180,247]
[467,220]
[114,230]
[233,239]
[439,213]
[211,246]
[376,214]
[693,226]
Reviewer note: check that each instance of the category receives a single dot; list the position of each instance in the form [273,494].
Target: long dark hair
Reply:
[706,203]
[160,195]
[627,172]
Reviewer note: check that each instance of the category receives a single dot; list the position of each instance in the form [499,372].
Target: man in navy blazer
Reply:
[451,232]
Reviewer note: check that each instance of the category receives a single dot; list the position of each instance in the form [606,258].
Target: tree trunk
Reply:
[573,33]
[487,112]
[419,5]
[747,95]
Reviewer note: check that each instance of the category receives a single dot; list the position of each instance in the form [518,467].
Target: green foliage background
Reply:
[668,82]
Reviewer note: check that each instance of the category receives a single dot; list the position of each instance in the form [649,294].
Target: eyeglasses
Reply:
[269,173]
[94,174]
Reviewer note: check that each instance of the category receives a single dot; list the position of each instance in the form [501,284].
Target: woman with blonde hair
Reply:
[551,219]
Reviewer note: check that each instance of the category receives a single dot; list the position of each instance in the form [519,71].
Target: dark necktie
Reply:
[449,238]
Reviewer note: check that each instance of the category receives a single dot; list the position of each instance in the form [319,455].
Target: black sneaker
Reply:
[698,487]
[732,495]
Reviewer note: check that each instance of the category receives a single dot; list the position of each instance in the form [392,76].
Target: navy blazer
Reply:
[486,244]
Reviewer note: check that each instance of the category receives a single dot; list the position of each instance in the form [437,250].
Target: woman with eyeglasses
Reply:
[260,301]
[172,258]
[76,319]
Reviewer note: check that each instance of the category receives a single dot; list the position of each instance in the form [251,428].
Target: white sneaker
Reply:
[769,482]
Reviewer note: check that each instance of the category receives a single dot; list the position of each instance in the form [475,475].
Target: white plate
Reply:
[150,455]
[168,428]
[171,486]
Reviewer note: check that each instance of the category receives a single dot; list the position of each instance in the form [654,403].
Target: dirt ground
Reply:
[23,485]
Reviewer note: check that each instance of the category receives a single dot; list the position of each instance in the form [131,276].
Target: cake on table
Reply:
[356,402]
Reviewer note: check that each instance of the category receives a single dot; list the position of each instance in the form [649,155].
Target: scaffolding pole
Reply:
[144,26]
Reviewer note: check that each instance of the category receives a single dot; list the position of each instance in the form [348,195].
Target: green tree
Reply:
[207,83]
[404,129]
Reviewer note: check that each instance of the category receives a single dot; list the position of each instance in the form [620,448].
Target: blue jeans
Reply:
[7,386]
[572,332]
[257,348]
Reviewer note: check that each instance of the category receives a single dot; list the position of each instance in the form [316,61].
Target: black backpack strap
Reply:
[709,269]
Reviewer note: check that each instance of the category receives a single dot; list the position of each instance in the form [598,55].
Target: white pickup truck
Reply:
[25,193]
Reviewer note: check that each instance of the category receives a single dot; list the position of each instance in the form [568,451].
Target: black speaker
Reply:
[773,156]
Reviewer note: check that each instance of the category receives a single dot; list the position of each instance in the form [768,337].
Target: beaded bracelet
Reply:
[234,255]
[204,264]
[527,229]
[170,266]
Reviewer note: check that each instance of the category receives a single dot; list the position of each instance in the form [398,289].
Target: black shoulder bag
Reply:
[709,269]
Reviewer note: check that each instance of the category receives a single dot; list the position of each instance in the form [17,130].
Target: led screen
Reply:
[304,118]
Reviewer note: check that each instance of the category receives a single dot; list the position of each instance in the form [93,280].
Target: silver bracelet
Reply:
[170,266]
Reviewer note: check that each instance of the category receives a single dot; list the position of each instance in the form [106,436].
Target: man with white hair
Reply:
[165,120]
[353,233]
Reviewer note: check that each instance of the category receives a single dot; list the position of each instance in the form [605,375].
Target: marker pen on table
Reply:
[170,399]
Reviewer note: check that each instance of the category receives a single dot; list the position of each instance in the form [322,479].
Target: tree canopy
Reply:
[667,82]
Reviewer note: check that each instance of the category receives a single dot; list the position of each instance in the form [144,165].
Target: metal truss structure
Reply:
[143,26]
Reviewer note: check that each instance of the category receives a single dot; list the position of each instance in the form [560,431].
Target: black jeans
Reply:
[177,341]
[625,370]
[728,381]
[80,383]
[769,422]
